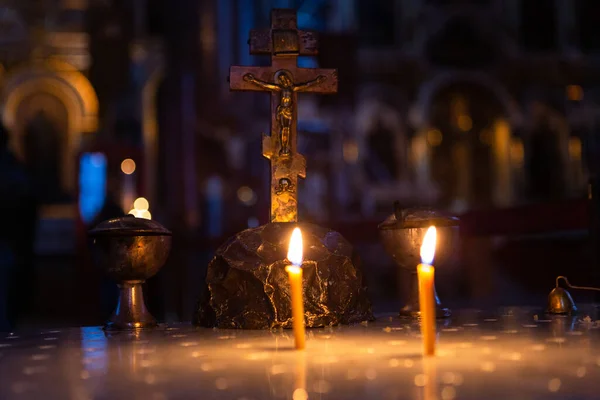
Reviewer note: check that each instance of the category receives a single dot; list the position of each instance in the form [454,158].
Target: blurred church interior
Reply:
[469,106]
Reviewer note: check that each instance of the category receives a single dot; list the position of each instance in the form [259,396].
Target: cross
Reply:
[284,79]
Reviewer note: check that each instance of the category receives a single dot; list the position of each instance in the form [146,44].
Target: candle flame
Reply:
[428,246]
[295,250]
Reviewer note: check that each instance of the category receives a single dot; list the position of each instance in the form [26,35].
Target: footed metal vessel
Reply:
[402,235]
[130,250]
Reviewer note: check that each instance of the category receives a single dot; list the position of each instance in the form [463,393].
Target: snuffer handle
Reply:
[564,278]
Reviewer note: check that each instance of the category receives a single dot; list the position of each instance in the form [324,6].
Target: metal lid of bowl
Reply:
[129,226]
[417,217]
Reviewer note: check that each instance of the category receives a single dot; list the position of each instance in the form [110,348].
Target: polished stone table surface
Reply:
[513,353]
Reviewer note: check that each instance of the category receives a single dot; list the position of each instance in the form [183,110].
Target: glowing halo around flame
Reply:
[428,246]
[295,250]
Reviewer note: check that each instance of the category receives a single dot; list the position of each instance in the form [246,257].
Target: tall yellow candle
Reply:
[426,274]
[295,274]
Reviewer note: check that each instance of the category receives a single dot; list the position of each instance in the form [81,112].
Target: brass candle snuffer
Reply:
[560,300]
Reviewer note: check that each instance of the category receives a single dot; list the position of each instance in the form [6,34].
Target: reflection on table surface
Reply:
[515,353]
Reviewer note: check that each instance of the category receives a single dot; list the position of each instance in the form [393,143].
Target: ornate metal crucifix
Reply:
[284,79]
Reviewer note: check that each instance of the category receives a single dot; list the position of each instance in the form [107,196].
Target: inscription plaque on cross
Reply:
[284,79]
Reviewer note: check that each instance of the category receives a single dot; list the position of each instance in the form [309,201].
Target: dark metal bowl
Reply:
[404,245]
[130,258]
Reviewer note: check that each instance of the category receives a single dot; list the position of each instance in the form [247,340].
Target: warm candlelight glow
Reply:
[430,388]
[300,378]
[426,268]
[428,246]
[293,270]
[295,249]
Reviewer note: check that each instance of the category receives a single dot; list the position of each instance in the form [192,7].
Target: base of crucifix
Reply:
[412,309]
[247,286]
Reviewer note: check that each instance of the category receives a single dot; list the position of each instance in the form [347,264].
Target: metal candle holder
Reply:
[130,250]
[560,300]
[402,235]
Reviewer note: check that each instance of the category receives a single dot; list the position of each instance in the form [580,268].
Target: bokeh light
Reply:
[465,123]
[128,166]
[434,137]
[574,92]
[575,148]
[246,195]
[141,204]
[140,213]
[350,151]
[517,152]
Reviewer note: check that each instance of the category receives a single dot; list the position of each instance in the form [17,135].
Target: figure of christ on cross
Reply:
[283,79]
[284,111]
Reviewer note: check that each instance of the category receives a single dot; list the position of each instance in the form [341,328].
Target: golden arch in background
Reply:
[71,87]
[501,128]
[421,114]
